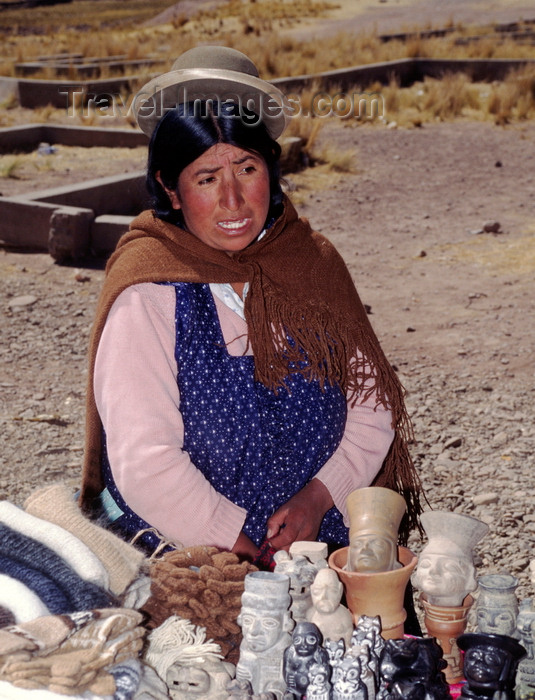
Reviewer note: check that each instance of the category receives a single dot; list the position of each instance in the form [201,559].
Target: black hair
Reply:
[189,130]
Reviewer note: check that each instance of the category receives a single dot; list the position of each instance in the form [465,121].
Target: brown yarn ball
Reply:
[203,585]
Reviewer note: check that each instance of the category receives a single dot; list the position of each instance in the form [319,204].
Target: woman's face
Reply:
[224,196]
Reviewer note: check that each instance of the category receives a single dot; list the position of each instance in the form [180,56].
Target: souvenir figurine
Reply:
[411,668]
[190,666]
[445,575]
[369,667]
[319,687]
[446,570]
[525,675]
[346,681]
[304,651]
[301,572]
[335,650]
[375,578]
[367,635]
[333,619]
[242,690]
[497,604]
[266,623]
[490,664]
[375,514]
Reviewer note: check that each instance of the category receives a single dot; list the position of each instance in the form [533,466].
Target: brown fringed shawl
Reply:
[298,286]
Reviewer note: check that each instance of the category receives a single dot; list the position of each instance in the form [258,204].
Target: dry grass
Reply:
[495,253]
[102,28]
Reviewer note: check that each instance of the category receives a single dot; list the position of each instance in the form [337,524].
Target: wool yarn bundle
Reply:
[69,654]
[75,553]
[21,602]
[36,557]
[203,585]
[57,504]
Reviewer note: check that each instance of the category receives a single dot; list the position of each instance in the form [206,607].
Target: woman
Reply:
[237,391]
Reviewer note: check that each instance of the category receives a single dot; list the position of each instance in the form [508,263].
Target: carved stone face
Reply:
[326,591]
[496,620]
[204,680]
[187,681]
[483,666]
[261,630]
[441,575]
[371,553]
[305,639]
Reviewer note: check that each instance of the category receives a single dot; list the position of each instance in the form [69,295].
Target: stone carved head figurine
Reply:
[490,663]
[375,514]
[333,619]
[497,605]
[190,666]
[445,572]
[266,624]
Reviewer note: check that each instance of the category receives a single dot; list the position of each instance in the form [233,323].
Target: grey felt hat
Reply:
[215,73]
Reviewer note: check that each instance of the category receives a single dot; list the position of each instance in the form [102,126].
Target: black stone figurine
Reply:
[490,663]
[411,669]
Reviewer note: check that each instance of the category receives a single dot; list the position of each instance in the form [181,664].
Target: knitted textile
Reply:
[20,600]
[75,553]
[8,691]
[6,616]
[80,594]
[42,585]
[71,653]
[56,504]
[203,585]
[127,676]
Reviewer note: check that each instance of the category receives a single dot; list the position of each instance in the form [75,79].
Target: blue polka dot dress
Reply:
[256,447]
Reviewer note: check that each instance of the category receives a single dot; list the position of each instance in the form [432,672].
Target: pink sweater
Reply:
[139,404]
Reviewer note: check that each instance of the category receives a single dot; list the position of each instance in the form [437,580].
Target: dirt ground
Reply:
[452,303]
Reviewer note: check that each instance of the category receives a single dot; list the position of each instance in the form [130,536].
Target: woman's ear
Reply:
[172,194]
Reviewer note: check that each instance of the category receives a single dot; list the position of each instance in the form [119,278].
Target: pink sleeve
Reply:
[139,405]
[365,443]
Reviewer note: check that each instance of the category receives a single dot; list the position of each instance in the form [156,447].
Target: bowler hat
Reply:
[217,74]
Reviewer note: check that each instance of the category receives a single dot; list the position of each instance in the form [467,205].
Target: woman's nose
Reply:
[231,196]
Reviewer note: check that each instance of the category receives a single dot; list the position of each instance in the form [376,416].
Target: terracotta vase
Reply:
[446,624]
[379,593]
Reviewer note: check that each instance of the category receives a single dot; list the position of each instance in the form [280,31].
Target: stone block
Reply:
[69,233]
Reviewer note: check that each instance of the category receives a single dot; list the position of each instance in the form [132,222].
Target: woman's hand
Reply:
[300,517]
[244,547]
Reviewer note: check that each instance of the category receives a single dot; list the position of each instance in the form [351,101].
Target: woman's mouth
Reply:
[234,226]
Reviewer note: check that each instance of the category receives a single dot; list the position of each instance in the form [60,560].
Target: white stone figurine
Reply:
[189,666]
[445,572]
[346,681]
[319,687]
[302,573]
[266,624]
[375,514]
[333,619]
